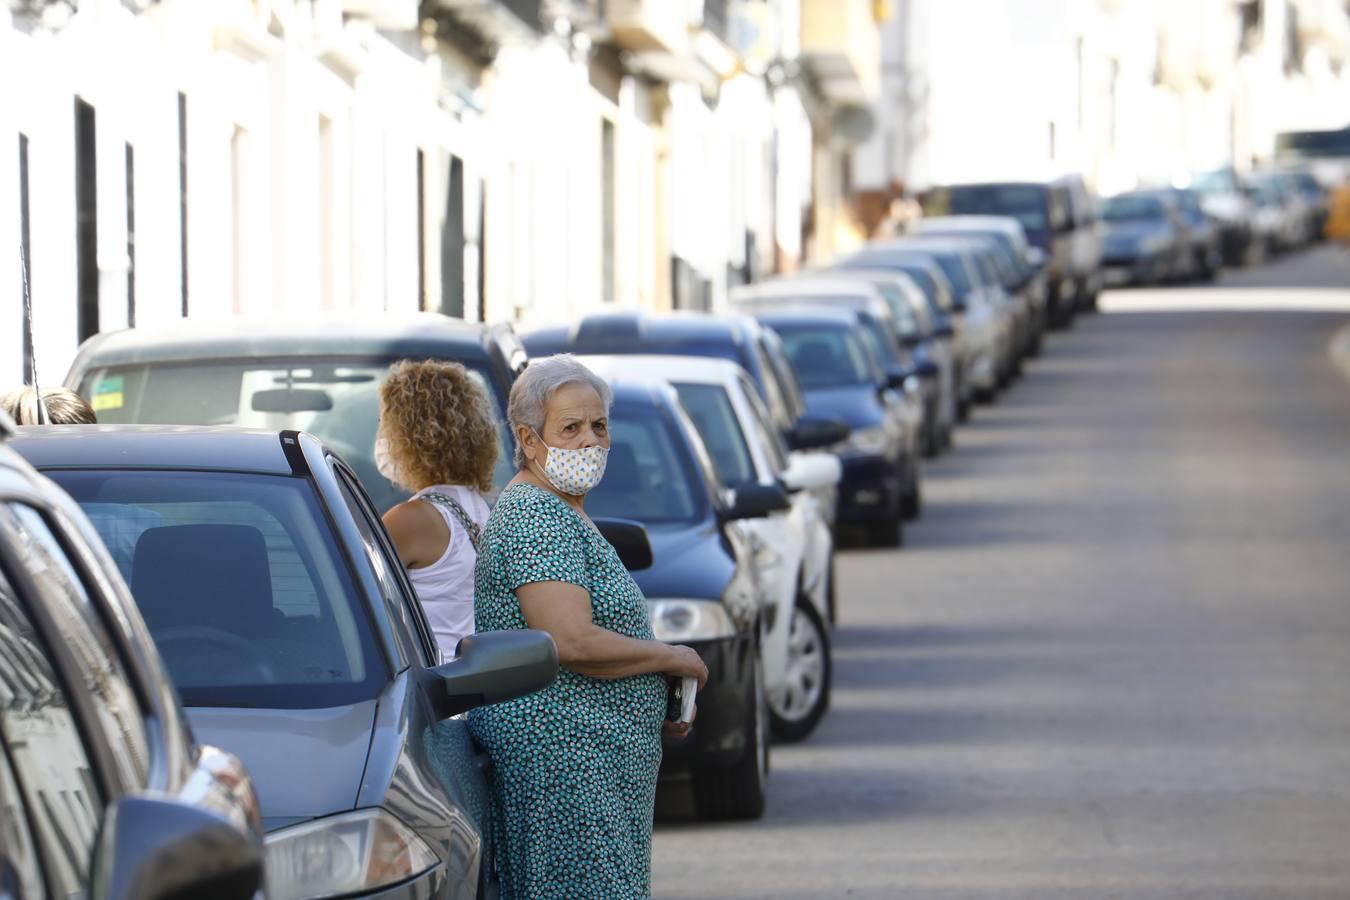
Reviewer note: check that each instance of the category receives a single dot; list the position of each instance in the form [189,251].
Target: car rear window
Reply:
[241,583]
[1026,203]
[335,399]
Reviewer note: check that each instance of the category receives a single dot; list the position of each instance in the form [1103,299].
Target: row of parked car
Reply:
[221,531]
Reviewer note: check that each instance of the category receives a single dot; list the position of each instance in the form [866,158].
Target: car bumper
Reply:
[869,490]
[1119,270]
[725,707]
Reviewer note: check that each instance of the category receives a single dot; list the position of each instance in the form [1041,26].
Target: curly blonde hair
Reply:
[438,422]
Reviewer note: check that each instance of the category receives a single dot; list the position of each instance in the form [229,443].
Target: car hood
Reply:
[858,405]
[687,561]
[305,763]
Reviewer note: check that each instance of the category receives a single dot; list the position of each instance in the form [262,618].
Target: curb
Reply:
[1340,350]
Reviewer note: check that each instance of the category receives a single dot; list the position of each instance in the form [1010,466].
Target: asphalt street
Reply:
[1113,659]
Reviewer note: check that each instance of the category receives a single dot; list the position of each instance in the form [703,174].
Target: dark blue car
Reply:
[842,378]
[702,587]
[295,641]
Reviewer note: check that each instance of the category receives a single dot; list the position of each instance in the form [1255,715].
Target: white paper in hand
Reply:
[688,689]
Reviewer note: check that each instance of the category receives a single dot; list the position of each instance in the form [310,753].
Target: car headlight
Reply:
[865,441]
[683,621]
[344,854]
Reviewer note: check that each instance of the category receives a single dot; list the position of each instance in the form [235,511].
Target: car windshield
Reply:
[903,318]
[241,583]
[826,357]
[648,475]
[954,267]
[1026,203]
[335,399]
[1133,208]
[710,408]
[1221,182]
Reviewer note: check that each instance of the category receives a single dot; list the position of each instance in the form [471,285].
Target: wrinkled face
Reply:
[576,418]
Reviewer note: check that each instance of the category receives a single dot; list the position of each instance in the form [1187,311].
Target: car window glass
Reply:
[45,747]
[787,379]
[647,475]
[710,409]
[826,358]
[396,598]
[335,399]
[19,866]
[762,430]
[96,656]
[241,583]
[773,394]
[1025,202]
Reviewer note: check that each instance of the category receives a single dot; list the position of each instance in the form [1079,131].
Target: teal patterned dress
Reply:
[574,766]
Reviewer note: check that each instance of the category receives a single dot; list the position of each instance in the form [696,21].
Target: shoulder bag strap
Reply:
[470,526]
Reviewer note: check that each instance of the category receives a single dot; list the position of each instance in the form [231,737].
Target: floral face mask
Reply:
[574,472]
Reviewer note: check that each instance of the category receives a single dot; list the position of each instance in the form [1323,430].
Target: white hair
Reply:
[542,378]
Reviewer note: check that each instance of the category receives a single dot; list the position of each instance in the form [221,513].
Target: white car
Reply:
[794,550]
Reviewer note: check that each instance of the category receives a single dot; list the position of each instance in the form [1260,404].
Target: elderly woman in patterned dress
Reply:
[574,766]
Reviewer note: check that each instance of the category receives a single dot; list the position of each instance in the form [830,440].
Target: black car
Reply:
[295,640]
[319,376]
[702,587]
[104,791]
[842,378]
[1145,242]
[737,338]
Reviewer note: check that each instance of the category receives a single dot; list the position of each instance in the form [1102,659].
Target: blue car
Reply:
[843,378]
[295,640]
[702,587]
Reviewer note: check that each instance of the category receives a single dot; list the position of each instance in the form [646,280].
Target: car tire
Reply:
[889,531]
[737,791]
[913,500]
[809,654]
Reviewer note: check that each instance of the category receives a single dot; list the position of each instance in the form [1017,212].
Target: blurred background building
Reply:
[534,159]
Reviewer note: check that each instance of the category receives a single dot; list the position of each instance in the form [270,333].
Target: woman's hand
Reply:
[679,730]
[686,663]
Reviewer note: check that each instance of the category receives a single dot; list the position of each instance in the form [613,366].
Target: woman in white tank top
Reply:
[438,439]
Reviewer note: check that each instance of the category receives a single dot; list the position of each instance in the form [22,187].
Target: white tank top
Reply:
[446,586]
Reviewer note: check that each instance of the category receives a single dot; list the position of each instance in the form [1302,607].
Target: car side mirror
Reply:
[757,501]
[960,306]
[944,330]
[493,667]
[812,471]
[896,375]
[630,542]
[925,368]
[817,434]
[156,848]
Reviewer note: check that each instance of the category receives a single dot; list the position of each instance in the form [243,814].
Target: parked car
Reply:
[1277,218]
[984,331]
[794,550]
[295,640]
[737,338]
[1086,253]
[1145,242]
[1026,263]
[1223,197]
[879,330]
[1046,213]
[1201,233]
[320,376]
[105,792]
[925,347]
[948,323]
[704,586]
[841,377]
[1000,280]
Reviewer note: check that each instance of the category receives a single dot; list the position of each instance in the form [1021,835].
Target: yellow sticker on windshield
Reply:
[104,402]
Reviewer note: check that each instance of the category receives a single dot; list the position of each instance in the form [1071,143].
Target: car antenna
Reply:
[31,350]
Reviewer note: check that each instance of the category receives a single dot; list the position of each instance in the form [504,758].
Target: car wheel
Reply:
[797,712]
[737,791]
[913,502]
[889,531]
